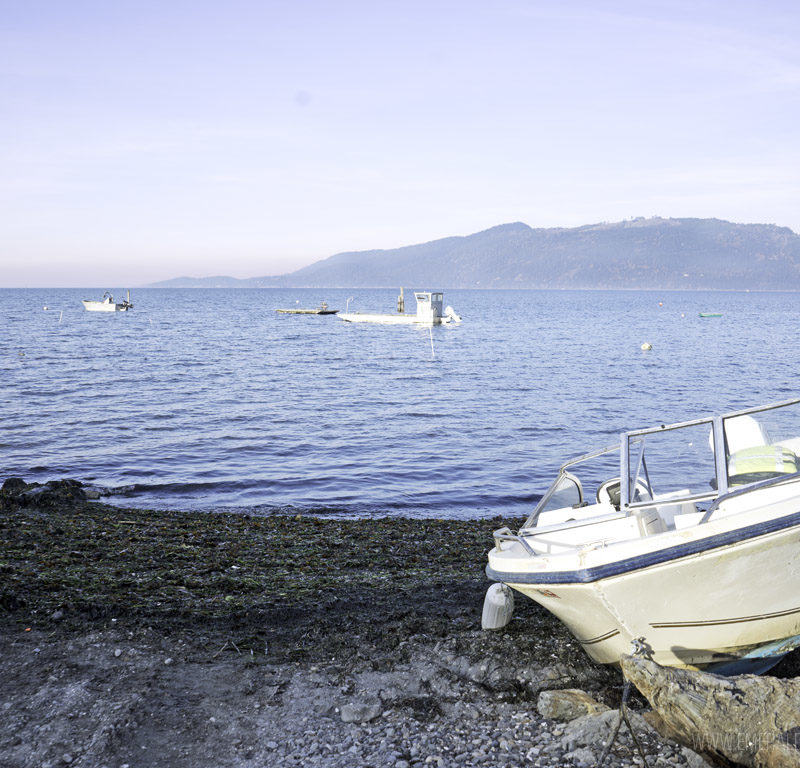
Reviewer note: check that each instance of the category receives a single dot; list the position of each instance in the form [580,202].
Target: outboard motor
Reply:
[451,315]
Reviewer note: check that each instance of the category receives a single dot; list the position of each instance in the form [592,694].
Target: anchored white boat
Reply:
[429,312]
[684,537]
[107,304]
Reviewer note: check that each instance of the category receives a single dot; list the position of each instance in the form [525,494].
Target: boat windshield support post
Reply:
[720,453]
[624,471]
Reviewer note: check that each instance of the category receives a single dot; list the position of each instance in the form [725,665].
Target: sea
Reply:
[210,400]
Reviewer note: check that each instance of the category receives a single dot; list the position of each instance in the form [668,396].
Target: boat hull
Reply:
[728,608]
[388,319]
[102,306]
[307,311]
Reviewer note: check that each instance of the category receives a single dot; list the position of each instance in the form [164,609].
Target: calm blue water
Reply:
[209,399]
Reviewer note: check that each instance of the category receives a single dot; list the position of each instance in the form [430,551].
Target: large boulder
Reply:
[746,720]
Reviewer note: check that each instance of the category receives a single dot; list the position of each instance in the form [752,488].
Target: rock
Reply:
[693,760]
[582,756]
[746,720]
[596,730]
[359,712]
[54,494]
[13,486]
[567,704]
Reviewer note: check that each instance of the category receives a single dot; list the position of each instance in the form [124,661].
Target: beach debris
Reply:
[744,720]
[567,704]
[602,730]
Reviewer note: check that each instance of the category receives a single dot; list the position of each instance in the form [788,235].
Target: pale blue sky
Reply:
[142,140]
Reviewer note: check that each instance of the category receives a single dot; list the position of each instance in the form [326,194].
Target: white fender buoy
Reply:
[498,606]
[647,346]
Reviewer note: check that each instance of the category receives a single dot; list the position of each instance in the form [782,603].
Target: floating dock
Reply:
[322,309]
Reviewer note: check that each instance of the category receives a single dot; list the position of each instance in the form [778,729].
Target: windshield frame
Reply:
[629,446]
[562,473]
[631,456]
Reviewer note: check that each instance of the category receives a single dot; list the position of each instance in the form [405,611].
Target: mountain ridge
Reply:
[657,253]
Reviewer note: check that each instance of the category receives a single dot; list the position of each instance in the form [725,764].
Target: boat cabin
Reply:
[429,306]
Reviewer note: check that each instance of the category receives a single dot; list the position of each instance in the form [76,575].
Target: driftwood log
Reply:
[746,720]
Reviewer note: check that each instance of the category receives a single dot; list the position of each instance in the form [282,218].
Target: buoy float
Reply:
[647,346]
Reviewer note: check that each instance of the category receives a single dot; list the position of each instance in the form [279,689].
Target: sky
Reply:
[142,140]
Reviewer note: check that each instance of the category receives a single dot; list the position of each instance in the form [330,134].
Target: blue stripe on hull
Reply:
[588,575]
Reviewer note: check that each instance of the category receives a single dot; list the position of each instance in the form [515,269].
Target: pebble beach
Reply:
[147,638]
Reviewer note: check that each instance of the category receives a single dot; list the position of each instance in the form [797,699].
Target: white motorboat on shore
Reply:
[690,547]
[107,304]
[429,312]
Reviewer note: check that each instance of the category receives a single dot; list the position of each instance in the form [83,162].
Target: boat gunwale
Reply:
[588,575]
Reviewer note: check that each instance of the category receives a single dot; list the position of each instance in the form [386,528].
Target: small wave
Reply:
[184,489]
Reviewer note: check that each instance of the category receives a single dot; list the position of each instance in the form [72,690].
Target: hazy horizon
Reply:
[149,141]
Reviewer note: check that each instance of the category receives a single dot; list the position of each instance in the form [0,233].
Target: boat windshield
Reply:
[695,461]
[706,458]
[672,461]
[578,485]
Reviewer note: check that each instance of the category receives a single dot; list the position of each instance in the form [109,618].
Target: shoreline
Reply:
[147,638]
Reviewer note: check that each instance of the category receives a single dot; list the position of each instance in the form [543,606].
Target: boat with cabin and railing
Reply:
[429,312]
[107,304]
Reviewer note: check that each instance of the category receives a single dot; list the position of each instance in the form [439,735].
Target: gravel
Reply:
[344,644]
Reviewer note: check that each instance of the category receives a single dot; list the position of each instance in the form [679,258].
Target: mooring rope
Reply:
[640,648]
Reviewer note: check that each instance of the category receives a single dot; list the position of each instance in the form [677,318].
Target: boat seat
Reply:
[609,492]
[792,443]
[749,465]
[650,521]
[669,512]
[742,432]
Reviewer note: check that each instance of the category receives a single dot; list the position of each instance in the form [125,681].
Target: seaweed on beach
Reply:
[63,558]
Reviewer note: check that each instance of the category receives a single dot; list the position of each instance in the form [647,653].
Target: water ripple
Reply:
[210,400]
